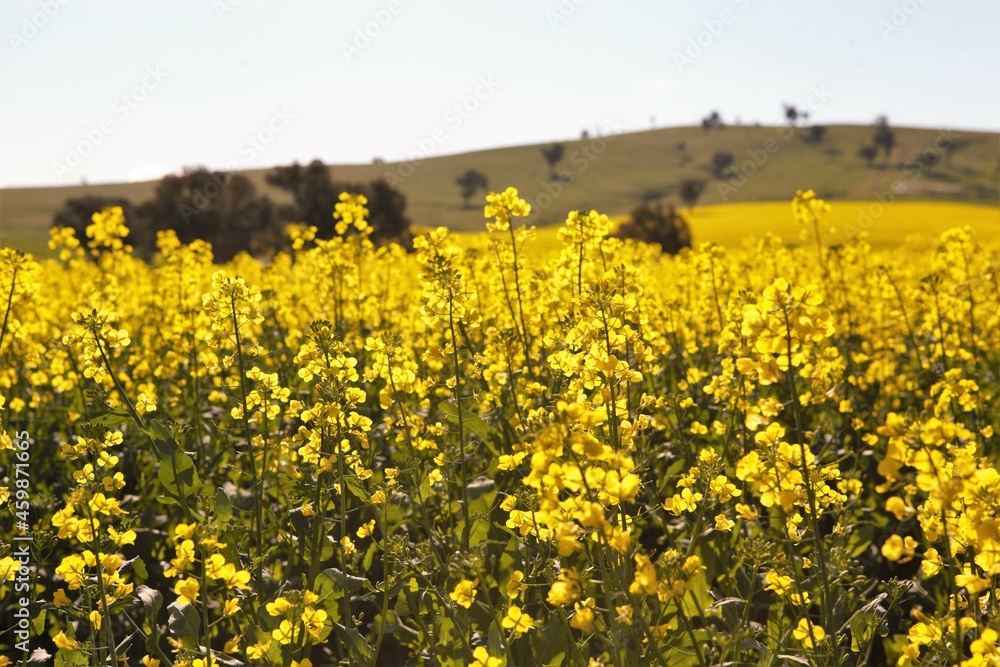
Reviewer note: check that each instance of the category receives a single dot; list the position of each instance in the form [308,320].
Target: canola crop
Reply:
[470,456]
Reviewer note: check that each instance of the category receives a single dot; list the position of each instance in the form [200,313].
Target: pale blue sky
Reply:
[212,73]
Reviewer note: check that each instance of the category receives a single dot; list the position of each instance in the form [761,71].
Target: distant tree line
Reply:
[226,210]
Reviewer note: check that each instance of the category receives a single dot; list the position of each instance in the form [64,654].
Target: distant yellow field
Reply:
[728,224]
[731,224]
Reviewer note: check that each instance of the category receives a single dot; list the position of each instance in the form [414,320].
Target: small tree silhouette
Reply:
[884,137]
[927,159]
[868,153]
[681,147]
[691,190]
[815,134]
[469,183]
[721,162]
[77,213]
[793,114]
[651,224]
[552,155]
[712,120]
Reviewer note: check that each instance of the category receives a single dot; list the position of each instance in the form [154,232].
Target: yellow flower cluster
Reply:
[486,453]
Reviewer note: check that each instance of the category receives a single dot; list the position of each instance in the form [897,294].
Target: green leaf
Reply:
[360,650]
[354,486]
[333,579]
[184,623]
[65,658]
[223,507]
[177,473]
[139,568]
[159,432]
[494,640]
[482,493]
[866,623]
[549,644]
[366,562]
[114,418]
[471,421]
[38,622]
[152,600]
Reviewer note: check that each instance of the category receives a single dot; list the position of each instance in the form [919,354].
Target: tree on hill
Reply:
[712,120]
[652,224]
[691,190]
[469,183]
[552,155]
[223,209]
[721,162]
[386,213]
[793,114]
[927,159]
[313,194]
[681,147]
[77,213]
[868,154]
[884,137]
[815,134]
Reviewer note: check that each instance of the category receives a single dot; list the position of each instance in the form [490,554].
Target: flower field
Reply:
[469,455]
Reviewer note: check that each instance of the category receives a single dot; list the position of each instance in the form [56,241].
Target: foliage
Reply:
[77,214]
[221,208]
[721,163]
[712,120]
[815,134]
[469,184]
[314,195]
[690,191]
[652,224]
[884,137]
[553,154]
[868,153]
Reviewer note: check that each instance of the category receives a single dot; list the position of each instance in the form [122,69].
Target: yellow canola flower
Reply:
[464,593]
[517,621]
[808,633]
[187,590]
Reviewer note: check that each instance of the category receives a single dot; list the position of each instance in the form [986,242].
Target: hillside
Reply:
[613,174]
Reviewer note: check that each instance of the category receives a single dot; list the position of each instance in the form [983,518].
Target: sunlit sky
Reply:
[122,90]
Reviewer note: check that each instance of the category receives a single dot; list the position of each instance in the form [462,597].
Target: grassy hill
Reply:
[615,173]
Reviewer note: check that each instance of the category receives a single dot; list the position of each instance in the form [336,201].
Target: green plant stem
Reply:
[256,480]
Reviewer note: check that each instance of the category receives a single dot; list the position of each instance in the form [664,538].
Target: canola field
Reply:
[475,455]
